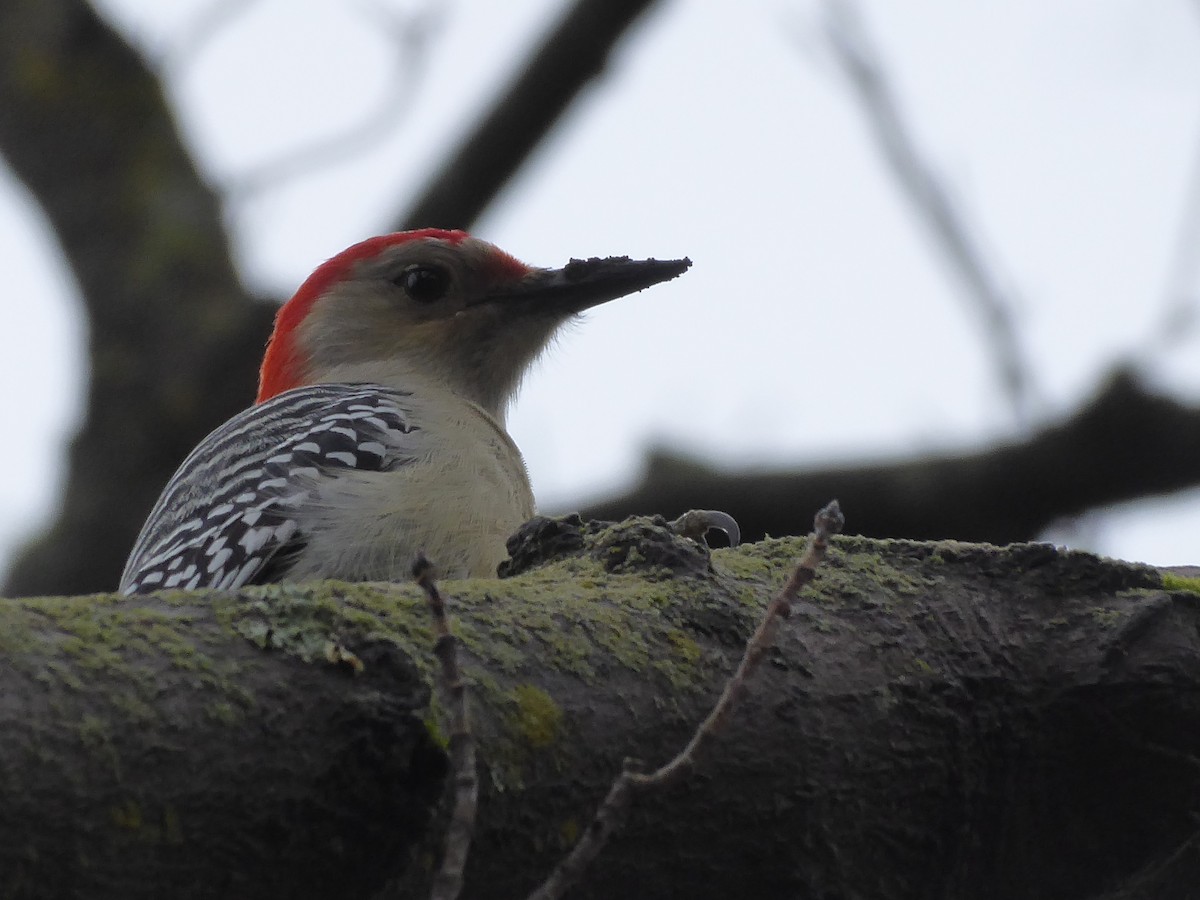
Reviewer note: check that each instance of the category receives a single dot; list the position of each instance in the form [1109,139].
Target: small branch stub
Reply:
[696,524]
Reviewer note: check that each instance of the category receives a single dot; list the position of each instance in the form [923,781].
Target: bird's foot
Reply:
[696,523]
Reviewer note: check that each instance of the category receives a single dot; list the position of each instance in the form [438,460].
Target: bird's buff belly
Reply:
[459,516]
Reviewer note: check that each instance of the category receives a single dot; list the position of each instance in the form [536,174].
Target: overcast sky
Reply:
[1066,131]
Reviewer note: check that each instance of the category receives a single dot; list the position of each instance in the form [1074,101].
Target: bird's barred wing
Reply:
[228,515]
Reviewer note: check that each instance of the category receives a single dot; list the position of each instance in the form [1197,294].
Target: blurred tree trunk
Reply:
[174,339]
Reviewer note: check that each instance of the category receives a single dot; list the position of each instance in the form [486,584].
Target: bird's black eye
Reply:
[424,283]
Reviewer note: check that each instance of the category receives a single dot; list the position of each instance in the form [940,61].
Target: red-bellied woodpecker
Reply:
[379,426]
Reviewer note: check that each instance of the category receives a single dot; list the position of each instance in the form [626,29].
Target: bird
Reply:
[378,431]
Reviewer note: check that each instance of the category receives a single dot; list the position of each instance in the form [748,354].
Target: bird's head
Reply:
[438,305]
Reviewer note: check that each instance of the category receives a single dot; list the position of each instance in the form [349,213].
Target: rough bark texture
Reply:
[148,751]
[937,720]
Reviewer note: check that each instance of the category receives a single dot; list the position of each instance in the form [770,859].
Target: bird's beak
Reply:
[584,283]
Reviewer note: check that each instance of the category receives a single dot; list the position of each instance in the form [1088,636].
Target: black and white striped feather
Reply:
[228,516]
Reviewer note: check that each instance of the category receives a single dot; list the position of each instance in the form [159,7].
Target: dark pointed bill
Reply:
[584,283]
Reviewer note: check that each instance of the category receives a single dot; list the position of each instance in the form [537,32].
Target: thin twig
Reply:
[1182,312]
[205,27]
[410,38]
[449,880]
[572,54]
[611,814]
[861,63]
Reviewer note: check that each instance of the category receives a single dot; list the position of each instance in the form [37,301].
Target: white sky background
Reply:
[818,324]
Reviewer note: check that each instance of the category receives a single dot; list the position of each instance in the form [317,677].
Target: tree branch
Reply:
[916,176]
[572,55]
[409,37]
[1125,444]
[933,720]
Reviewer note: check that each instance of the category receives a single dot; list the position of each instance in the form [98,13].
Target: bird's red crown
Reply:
[281,367]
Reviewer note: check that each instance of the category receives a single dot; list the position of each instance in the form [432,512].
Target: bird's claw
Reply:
[695,524]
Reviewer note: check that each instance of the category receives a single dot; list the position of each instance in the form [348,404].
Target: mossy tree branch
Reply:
[935,720]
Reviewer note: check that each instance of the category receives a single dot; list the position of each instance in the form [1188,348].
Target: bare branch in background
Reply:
[863,67]
[197,36]
[572,55]
[411,36]
[1123,444]
[1182,288]
[175,339]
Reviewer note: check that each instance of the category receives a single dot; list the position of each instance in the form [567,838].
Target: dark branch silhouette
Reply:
[946,223]
[409,38]
[572,55]
[1125,444]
